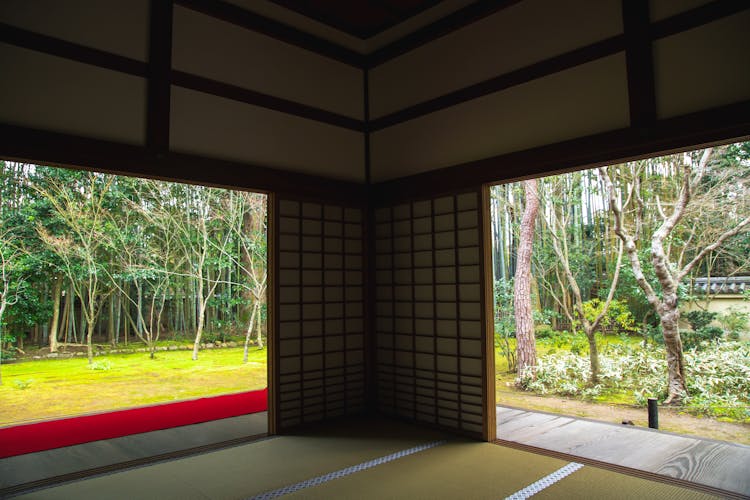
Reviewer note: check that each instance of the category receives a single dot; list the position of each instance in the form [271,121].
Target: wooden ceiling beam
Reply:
[522,75]
[71,151]
[697,16]
[275,29]
[640,62]
[26,39]
[241,94]
[720,125]
[159,76]
[463,17]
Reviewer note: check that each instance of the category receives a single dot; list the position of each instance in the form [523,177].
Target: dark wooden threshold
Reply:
[121,466]
[622,470]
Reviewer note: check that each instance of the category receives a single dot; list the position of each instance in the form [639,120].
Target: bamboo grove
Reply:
[615,248]
[89,258]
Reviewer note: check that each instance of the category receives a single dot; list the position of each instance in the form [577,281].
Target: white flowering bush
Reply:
[719,380]
[718,376]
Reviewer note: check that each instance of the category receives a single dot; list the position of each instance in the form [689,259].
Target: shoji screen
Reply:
[320,314]
[429,315]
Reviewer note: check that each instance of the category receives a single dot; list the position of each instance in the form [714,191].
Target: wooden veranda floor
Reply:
[703,461]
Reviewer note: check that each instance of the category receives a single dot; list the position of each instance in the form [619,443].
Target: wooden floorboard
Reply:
[703,461]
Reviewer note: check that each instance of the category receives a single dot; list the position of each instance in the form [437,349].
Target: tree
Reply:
[670,264]
[505,321]
[20,209]
[503,201]
[525,341]
[253,261]
[145,257]
[10,281]
[558,221]
[245,215]
[160,256]
[194,215]
[84,248]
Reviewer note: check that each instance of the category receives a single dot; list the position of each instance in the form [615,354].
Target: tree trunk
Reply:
[669,315]
[64,320]
[249,331]
[201,318]
[139,309]
[70,303]
[82,322]
[593,356]
[111,321]
[56,294]
[3,305]
[259,326]
[89,342]
[525,340]
[126,324]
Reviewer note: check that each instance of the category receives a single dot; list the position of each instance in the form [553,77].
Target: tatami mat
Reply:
[459,468]
[595,484]
[75,459]
[470,470]
[253,468]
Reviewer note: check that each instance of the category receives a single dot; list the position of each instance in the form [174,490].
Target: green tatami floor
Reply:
[452,467]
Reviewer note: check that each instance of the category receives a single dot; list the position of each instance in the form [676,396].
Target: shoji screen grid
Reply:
[321,311]
[428,311]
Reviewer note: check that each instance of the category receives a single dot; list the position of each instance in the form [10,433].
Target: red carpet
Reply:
[40,436]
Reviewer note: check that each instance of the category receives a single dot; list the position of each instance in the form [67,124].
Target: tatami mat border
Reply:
[545,482]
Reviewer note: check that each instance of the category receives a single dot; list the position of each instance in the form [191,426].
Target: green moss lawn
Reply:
[47,389]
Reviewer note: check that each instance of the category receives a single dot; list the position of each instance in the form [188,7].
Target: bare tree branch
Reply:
[725,236]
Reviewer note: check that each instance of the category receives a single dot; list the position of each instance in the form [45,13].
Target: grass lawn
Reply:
[48,389]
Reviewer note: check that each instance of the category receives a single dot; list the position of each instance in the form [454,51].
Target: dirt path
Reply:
[669,419]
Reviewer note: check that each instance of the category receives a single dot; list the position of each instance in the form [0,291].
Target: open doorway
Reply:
[120,293]
[640,270]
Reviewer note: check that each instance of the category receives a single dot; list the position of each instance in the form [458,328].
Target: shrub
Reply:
[579,344]
[543,331]
[718,380]
[22,384]
[653,333]
[213,337]
[101,365]
[618,317]
[718,377]
[734,323]
[6,340]
[700,338]
[699,319]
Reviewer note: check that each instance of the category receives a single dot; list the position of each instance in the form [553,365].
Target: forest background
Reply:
[100,261]
[91,258]
[612,258]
